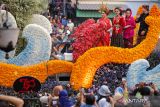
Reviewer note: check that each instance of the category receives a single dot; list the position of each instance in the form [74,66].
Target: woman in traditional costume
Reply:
[118,26]
[105,38]
[129,29]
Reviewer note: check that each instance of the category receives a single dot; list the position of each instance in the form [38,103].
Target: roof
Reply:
[85,5]
[91,14]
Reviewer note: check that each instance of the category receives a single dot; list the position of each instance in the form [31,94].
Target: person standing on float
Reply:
[118,26]
[143,26]
[105,39]
[129,29]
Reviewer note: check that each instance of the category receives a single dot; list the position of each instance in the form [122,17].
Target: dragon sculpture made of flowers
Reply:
[84,69]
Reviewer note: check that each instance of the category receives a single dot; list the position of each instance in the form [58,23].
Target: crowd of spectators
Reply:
[61,16]
[62,29]
[108,79]
[110,75]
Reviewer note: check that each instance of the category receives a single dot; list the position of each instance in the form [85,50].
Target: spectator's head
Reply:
[68,86]
[90,99]
[145,8]
[144,91]
[74,28]
[58,21]
[118,11]
[57,89]
[65,17]
[70,20]
[44,99]
[63,94]
[64,99]
[55,16]
[78,97]
[128,12]
[4,104]
[119,90]
[62,27]
[53,21]
[67,28]
[118,99]
[104,91]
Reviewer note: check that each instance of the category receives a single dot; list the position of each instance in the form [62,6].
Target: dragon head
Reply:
[153,20]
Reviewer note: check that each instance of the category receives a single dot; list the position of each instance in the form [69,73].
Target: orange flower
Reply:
[139,10]
[154,11]
[9,73]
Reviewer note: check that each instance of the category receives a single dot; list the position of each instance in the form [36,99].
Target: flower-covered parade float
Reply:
[34,59]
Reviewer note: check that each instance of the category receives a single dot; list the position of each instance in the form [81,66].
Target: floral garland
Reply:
[138,73]
[85,67]
[9,73]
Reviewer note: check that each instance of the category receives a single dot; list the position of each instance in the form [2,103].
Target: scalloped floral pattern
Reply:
[42,21]
[38,46]
[38,43]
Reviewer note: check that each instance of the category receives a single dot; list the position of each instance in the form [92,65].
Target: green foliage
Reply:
[23,9]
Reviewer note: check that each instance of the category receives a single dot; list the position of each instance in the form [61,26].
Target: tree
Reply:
[22,10]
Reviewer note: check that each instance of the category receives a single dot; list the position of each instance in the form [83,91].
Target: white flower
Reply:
[39,43]
[42,21]
[38,47]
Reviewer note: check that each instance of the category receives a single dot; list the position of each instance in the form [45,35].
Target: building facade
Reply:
[89,8]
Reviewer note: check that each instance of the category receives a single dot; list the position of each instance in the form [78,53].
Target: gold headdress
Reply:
[104,8]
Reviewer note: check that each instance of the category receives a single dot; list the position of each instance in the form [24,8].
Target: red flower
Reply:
[87,34]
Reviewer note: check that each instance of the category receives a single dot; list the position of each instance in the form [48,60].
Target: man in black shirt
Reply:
[143,26]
